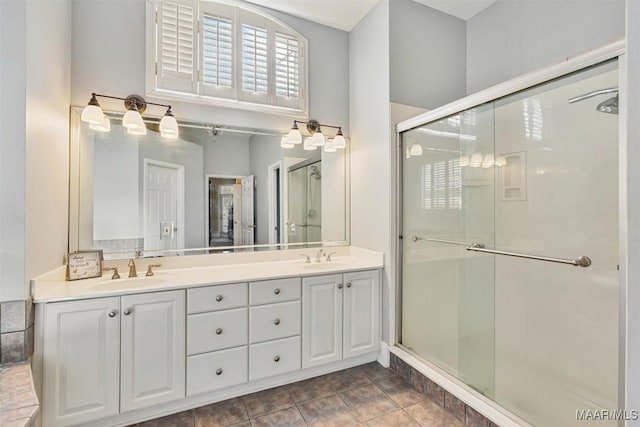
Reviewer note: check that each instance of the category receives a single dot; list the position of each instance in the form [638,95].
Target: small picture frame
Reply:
[84,264]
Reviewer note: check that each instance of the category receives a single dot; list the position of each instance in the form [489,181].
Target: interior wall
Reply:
[427,55]
[226,154]
[13,81]
[511,38]
[108,56]
[370,146]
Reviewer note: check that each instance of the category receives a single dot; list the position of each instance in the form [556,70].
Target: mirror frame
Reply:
[75,126]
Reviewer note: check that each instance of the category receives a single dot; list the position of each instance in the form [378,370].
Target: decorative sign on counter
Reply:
[84,265]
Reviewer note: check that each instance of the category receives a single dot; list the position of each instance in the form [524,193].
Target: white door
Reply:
[162,206]
[153,349]
[361,313]
[248,221]
[237,214]
[321,320]
[81,361]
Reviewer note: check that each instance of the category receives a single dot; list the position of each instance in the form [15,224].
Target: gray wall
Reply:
[117,66]
[226,154]
[427,50]
[514,37]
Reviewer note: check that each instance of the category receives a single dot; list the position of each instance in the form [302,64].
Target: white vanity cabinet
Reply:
[341,316]
[105,356]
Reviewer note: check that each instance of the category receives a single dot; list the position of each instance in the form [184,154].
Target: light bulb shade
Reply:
[416,150]
[330,146]
[476,160]
[92,114]
[137,132]
[133,120]
[464,161]
[167,134]
[488,161]
[308,144]
[339,141]
[104,126]
[169,126]
[284,142]
[501,161]
[294,137]
[318,139]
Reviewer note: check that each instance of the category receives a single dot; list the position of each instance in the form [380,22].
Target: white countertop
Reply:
[184,272]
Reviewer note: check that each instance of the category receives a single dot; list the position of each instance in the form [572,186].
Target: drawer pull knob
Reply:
[349,285]
[276,291]
[127,311]
[113,313]
[276,322]
[218,371]
[218,331]
[219,298]
[339,285]
[276,359]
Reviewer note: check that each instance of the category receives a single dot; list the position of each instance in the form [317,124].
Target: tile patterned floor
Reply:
[367,395]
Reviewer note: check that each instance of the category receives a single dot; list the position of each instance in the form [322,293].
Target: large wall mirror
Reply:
[214,189]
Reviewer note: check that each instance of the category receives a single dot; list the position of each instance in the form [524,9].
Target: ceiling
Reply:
[345,14]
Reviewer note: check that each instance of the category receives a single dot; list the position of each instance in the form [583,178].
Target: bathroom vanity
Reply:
[115,352]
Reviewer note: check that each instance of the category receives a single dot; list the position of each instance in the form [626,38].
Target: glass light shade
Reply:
[464,161]
[318,139]
[416,150]
[169,127]
[294,137]
[339,141]
[132,131]
[476,160]
[104,126]
[284,142]
[501,161]
[330,146]
[488,161]
[92,114]
[133,120]
[308,144]
[408,153]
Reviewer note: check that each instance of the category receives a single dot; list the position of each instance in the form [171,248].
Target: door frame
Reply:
[180,197]
[272,202]
[206,202]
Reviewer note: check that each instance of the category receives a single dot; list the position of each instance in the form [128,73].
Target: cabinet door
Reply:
[321,320]
[81,361]
[153,349]
[361,313]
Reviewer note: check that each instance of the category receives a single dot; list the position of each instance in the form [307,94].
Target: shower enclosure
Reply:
[509,224]
[304,222]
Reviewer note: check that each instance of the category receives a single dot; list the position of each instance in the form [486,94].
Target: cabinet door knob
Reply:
[127,311]
[339,285]
[276,359]
[349,285]
[218,371]
[218,331]
[113,313]
[219,298]
[276,322]
[276,291]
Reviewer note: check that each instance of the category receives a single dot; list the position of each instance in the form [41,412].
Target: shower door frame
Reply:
[570,65]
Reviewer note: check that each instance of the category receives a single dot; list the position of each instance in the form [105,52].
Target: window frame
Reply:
[203,93]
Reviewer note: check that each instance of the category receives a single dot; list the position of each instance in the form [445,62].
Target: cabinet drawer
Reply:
[216,330]
[270,291]
[213,371]
[273,321]
[219,297]
[274,358]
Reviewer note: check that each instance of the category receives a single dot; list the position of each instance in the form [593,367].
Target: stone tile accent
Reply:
[12,347]
[428,413]
[475,418]
[18,401]
[328,411]
[12,316]
[400,391]
[16,340]
[455,406]
[435,392]
[368,402]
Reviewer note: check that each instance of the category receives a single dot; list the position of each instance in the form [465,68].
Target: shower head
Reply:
[609,106]
[315,172]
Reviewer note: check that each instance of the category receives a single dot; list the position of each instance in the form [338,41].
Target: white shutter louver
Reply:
[254,59]
[287,66]
[176,45]
[217,51]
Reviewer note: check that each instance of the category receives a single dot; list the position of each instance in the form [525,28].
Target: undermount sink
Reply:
[133,283]
[324,265]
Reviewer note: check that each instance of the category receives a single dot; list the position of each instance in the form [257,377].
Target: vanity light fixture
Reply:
[132,119]
[415,150]
[317,138]
[308,144]
[284,142]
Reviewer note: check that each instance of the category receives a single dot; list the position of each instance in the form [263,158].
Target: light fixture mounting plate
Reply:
[139,102]
[313,126]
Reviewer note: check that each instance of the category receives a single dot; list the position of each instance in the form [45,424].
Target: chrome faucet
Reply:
[319,255]
[132,269]
[308,260]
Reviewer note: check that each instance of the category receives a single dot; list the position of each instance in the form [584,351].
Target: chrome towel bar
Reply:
[581,261]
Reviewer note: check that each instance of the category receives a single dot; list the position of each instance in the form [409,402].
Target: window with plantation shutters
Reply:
[227,55]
